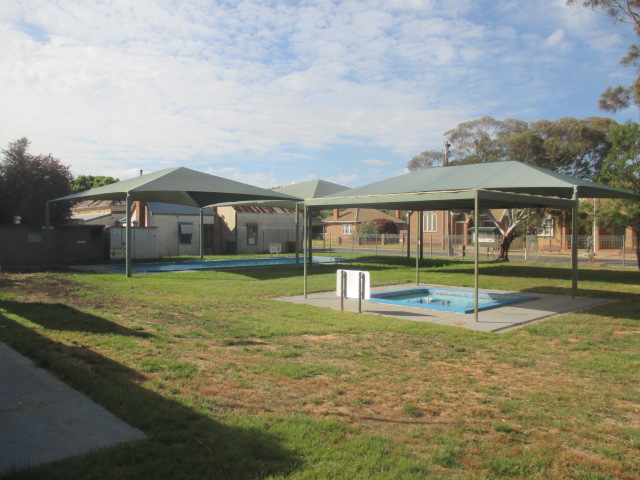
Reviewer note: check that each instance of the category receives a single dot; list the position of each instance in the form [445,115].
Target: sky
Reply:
[275,92]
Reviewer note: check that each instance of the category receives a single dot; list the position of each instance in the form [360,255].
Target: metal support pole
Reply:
[343,288]
[128,232]
[310,235]
[476,222]
[574,243]
[304,256]
[297,236]
[420,246]
[409,235]
[47,230]
[418,235]
[360,291]
[201,233]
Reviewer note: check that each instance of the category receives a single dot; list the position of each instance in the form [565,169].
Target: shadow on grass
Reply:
[625,306]
[57,316]
[182,442]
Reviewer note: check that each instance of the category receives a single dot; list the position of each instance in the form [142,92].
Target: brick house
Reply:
[345,223]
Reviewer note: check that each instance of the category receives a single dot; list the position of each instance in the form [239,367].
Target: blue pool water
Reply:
[197,264]
[460,301]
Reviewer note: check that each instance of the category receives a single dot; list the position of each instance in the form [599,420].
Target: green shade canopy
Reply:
[301,190]
[312,189]
[499,185]
[181,186]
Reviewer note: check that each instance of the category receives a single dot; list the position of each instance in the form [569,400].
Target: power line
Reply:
[403,164]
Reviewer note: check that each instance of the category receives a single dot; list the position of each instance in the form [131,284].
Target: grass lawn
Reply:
[230,384]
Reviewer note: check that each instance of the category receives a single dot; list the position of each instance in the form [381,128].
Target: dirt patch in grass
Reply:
[460,402]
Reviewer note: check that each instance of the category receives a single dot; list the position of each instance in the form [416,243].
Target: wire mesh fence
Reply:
[603,251]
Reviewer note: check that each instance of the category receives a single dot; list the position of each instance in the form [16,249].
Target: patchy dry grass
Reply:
[304,393]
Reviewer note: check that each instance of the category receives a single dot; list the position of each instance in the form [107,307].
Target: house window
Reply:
[252,233]
[546,229]
[429,222]
[185,233]
[34,235]
[346,229]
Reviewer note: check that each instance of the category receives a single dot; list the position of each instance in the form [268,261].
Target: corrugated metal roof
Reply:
[263,210]
[160,208]
[361,215]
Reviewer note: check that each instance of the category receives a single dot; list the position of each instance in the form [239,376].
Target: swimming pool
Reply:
[198,264]
[450,300]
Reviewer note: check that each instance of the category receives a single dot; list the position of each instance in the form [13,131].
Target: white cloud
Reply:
[259,179]
[119,86]
[555,38]
[376,162]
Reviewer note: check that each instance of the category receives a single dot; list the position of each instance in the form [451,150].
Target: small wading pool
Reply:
[460,301]
[197,264]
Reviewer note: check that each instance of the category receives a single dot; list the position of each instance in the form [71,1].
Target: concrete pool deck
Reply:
[495,320]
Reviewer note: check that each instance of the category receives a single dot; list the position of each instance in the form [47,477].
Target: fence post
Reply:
[624,248]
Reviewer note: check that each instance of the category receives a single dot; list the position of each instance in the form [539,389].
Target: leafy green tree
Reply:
[572,146]
[621,169]
[366,228]
[426,159]
[621,11]
[28,181]
[476,141]
[86,182]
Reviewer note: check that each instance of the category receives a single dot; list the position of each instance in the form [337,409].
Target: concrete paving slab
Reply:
[43,420]
[494,320]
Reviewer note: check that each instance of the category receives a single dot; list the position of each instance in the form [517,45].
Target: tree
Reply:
[621,11]
[427,159]
[621,169]
[366,228]
[86,182]
[475,141]
[28,181]
[574,147]
[568,145]
[384,225]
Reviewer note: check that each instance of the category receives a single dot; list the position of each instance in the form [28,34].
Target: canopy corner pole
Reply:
[476,222]
[420,232]
[310,235]
[418,246]
[47,214]
[297,234]
[47,228]
[128,232]
[574,242]
[305,247]
[409,235]
[201,233]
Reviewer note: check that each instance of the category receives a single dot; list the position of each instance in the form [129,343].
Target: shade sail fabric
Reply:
[181,186]
[301,190]
[499,184]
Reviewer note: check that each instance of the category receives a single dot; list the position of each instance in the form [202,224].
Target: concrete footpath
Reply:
[493,320]
[43,420]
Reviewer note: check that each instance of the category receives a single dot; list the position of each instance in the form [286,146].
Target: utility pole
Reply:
[447,219]
[445,163]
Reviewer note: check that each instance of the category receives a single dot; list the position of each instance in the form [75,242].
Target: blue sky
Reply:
[276,92]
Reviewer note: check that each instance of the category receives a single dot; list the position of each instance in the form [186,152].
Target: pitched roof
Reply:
[361,215]
[180,186]
[261,209]
[499,184]
[311,189]
[160,208]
